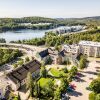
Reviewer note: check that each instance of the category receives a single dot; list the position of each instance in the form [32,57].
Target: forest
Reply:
[53,39]
[7,24]
[7,55]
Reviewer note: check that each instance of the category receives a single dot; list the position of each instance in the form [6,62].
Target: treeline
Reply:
[2,40]
[7,55]
[16,26]
[33,20]
[18,23]
[52,39]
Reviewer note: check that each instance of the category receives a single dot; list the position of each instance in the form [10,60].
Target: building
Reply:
[71,50]
[55,56]
[89,48]
[68,29]
[18,77]
[3,89]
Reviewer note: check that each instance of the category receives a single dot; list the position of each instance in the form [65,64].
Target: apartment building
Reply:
[72,50]
[89,48]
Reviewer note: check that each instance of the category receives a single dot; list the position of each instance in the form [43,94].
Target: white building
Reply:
[66,29]
[89,48]
[73,50]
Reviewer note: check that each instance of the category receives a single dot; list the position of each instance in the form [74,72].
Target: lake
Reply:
[22,34]
[29,33]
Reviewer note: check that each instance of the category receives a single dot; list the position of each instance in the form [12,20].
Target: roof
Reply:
[89,43]
[43,53]
[47,52]
[21,72]
[74,46]
[62,53]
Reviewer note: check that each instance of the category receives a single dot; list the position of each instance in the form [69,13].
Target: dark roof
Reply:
[62,53]
[47,52]
[43,53]
[21,72]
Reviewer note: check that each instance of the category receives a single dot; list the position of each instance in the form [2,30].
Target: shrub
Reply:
[92,96]
[95,85]
[65,70]
[15,65]
[97,97]
[27,59]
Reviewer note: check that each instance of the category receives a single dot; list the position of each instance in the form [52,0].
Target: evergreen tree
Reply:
[29,84]
[19,98]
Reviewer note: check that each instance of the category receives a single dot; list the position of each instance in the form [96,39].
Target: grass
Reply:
[44,81]
[57,73]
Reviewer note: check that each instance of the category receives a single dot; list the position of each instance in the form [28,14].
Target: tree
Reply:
[83,62]
[36,89]
[27,59]
[2,40]
[15,65]
[6,58]
[30,84]
[98,97]
[48,60]
[28,80]
[64,84]
[48,89]
[73,70]
[92,96]
[43,72]
[57,94]
[19,98]
[65,70]
[72,73]
[58,47]
[21,62]
[95,85]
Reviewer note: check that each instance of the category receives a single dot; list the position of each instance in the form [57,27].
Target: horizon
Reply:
[49,9]
[55,17]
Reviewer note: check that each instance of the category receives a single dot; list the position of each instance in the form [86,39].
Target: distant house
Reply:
[18,77]
[55,56]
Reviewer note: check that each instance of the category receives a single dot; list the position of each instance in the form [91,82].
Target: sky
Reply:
[50,8]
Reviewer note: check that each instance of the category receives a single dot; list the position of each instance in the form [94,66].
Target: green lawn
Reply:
[44,81]
[57,73]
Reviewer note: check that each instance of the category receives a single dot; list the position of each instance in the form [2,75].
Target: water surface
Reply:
[22,34]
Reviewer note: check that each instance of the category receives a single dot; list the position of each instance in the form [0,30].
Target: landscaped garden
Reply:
[57,73]
[51,84]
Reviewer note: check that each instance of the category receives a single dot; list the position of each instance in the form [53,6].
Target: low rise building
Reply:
[89,48]
[18,77]
[55,56]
